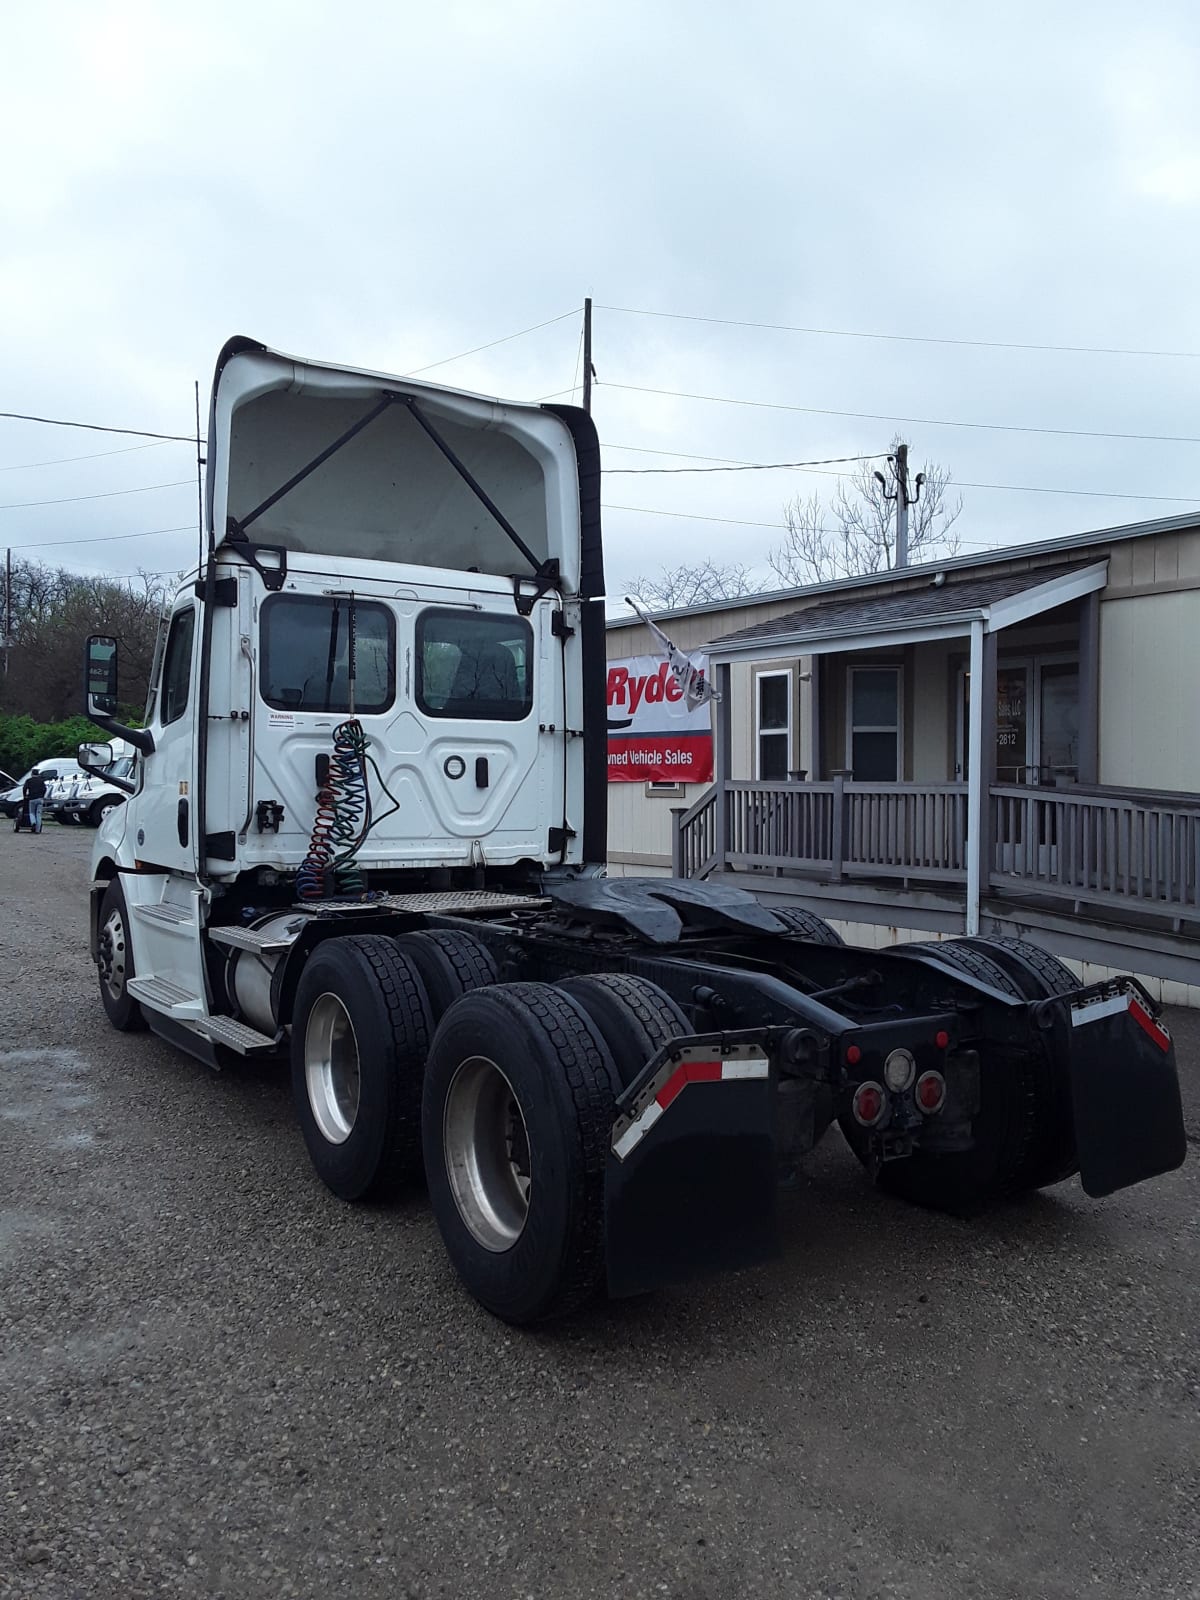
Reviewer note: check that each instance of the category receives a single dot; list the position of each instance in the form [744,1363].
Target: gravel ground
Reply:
[217,1380]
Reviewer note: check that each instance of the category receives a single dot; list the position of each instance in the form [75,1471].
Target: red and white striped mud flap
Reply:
[1128,1113]
[690,1186]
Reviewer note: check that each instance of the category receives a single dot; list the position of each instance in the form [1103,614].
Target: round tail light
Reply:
[869,1104]
[899,1070]
[931,1092]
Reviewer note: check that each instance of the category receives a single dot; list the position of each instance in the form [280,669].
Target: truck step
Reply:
[164,912]
[443,900]
[250,939]
[160,994]
[237,1035]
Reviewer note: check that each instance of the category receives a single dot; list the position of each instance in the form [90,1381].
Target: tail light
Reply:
[931,1092]
[869,1104]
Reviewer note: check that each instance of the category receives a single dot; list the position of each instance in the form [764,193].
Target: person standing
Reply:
[35,796]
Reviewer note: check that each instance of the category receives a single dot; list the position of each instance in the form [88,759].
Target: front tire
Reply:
[100,810]
[360,1031]
[115,962]
[518,1108]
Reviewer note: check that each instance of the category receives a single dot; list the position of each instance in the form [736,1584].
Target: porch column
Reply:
[981,755]
[1089,688]
[816,769]
[722,759]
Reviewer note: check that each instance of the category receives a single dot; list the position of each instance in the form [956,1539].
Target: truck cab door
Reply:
[162,813]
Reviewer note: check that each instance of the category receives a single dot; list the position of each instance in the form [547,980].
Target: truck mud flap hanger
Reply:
[690,1185]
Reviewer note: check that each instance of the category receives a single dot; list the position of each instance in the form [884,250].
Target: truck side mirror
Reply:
[100,689]
[94,757]
[101,675]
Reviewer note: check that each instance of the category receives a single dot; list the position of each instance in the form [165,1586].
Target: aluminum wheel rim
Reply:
[486,1147]
[331,1068]
[113,954]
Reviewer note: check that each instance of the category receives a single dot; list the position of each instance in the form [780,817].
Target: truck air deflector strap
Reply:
[470,480]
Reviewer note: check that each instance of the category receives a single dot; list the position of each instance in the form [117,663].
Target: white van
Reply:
[55,768]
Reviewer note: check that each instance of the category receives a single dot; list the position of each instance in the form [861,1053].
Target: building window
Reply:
[773,725]
[873,725]
[663,788]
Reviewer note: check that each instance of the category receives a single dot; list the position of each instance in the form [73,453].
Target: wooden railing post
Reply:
[677,813]
[723,763]
[837,848]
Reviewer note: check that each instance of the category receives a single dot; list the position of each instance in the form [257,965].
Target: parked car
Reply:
[55,768]
[88,797]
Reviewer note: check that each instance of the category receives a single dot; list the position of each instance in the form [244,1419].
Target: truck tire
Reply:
[806,923]
[115,962]
[100,809]
[450,963]
[516,1118]
[1023,1132]
[635,1017]
[1042,976]
[360,1032]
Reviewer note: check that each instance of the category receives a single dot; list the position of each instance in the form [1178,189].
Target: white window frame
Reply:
[852,728]
[787,732]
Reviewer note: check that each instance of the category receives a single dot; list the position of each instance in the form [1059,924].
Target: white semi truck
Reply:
[366,834]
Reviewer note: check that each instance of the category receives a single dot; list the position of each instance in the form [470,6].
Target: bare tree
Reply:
[856,534]
[694,584]
[53,611]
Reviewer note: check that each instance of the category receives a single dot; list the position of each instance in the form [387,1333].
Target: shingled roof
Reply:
[909,607]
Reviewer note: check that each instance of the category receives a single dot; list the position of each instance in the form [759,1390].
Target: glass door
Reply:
[1014,724]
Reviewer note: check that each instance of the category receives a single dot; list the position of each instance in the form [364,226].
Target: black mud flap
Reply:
[691,1182]
[1128,1113]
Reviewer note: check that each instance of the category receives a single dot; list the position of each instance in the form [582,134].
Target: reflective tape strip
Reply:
[636,1131]
[744,1069]
[1096,1010]
[1148,1025]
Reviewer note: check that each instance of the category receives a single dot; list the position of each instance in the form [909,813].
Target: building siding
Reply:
[1149,716]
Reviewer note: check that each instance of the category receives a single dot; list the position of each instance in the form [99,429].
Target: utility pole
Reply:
[7,606]
[587,355]
[900,466]
[903,499]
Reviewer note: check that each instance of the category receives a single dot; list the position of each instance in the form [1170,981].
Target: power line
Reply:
[907,338]
[61,461]
[744,466]
[741,522]
[96,427]
[956,483]
[104,538]
[549,323]
[71,499]
[924,422]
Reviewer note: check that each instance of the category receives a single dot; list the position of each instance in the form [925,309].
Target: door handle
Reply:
[181,822]
[481,772]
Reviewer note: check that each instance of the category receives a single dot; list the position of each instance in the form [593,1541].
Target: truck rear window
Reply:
[305,656]
[474,666]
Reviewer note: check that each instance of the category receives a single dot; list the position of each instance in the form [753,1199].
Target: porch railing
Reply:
[1098,845]
[833,830]
[1090,845]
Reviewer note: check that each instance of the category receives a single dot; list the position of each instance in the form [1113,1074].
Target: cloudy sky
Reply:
[391,185]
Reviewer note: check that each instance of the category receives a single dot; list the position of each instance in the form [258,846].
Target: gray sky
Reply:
[389,185]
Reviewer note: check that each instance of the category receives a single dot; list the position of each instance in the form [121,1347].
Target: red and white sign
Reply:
[652,735]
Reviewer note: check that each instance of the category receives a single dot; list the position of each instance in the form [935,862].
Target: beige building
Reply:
[844,739]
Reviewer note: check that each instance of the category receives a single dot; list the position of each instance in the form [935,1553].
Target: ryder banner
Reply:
[652,736]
